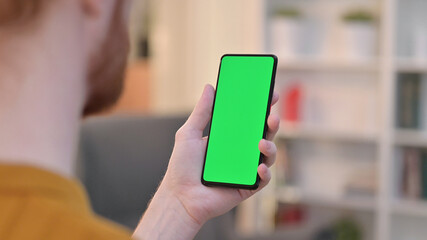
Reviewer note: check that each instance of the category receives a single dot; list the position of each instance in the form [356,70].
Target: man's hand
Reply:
[185,167]
[181,187]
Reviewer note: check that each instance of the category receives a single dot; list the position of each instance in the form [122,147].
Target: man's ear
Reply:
[92,7]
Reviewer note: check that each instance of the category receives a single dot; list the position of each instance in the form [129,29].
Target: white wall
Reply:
[188,38]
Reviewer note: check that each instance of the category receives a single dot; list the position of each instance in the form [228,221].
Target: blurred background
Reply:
[352,159]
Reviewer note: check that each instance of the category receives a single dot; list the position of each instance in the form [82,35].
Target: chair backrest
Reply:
[121,163]
[123,160]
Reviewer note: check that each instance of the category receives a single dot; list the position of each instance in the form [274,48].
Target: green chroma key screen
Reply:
[238,121]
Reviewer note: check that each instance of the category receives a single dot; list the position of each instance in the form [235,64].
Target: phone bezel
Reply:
[270,96]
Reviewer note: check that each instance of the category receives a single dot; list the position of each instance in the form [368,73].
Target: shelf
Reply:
[411,66]
[292,196]
[416,208]
[326,135]
[311,2]
[294,233]
[328,65]
[411,138]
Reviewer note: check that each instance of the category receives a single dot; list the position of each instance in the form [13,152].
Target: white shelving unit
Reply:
[391,216]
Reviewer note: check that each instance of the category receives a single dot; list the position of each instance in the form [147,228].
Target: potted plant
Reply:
[286,32]
[359,34]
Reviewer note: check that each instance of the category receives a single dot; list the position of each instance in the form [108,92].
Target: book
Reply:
[412,177]
[424,175]
[408,100]
[288,215]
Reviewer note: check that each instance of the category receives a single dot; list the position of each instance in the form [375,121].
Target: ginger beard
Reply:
[107,67]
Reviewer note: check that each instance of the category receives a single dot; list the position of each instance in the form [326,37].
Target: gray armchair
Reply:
[123,159]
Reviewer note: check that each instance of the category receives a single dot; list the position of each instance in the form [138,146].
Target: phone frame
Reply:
[270,96]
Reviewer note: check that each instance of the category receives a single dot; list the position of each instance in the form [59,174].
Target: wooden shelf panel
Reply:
[291,196]
[416,208]
[411,66]
[326,135]
[410,138]
[328,65]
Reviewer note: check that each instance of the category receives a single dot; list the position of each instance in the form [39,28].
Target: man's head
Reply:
[106,43]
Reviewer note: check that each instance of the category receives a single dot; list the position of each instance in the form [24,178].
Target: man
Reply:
[63,59]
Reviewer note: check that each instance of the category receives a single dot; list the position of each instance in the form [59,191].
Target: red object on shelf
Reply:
[290,215]
[291,104]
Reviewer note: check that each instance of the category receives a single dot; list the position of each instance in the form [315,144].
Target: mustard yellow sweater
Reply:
[39,205]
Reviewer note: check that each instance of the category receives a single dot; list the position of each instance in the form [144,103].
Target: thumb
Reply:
[201,114]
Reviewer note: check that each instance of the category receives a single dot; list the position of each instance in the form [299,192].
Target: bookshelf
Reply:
[379,144]
[407,214]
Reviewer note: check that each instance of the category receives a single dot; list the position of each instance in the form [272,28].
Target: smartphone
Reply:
[241,107]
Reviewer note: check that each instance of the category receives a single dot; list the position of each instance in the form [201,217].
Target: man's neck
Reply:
[41,99]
